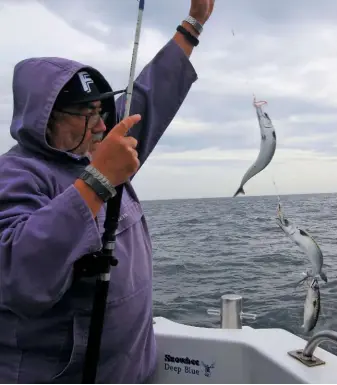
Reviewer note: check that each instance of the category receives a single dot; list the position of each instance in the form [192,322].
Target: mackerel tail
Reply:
[323,277]
[240,191]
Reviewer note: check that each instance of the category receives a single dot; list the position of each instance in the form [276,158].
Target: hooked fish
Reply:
[312,306]
[306,243]
[267,146]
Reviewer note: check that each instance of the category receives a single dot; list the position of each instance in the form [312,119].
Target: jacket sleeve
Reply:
[40,239]
[158,93]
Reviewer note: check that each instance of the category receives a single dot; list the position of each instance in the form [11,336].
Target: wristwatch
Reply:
[98,182]
[194,23]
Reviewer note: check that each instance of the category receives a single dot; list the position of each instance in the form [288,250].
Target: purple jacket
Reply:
[45,226]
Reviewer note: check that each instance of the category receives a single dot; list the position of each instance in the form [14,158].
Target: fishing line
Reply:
[279,209]
[280,215]
[247,83]
[276,189]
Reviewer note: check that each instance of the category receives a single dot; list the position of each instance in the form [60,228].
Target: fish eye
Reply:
[286,222]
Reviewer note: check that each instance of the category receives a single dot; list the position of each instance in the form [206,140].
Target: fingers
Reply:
[134,153]
[132,142]
[134,165]
[124,126]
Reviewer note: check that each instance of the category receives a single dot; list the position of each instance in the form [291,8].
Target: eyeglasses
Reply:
[91,120]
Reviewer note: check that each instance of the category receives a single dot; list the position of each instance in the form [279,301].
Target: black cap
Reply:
[81,88]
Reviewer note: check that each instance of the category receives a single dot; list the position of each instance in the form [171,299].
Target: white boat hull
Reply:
[188,354]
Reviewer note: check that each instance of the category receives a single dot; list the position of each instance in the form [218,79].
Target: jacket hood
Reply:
[36,85]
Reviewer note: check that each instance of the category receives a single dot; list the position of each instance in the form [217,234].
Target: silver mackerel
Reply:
[312,307]
[306,243]
[267,146]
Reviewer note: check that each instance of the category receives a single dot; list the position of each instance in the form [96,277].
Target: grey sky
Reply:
[283,52]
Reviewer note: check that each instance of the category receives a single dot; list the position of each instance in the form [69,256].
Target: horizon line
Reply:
[239,196]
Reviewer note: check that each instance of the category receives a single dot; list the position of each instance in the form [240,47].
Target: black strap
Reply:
[189,37]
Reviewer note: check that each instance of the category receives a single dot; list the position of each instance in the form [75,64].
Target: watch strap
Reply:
[188,36]
[98,182]
[194,23]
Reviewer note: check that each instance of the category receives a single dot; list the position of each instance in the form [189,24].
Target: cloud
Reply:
[99,26]
[281,53]
[264,64]
[33,21]
[216,154]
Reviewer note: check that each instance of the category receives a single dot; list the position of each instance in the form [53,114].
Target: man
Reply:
[52,214]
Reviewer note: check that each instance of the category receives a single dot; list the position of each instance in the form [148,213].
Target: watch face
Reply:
[96,185]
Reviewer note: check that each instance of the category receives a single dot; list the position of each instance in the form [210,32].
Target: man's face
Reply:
[69,127]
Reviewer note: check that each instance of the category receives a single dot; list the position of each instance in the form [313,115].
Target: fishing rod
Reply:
[106,256]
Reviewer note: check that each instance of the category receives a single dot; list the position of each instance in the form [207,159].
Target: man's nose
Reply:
[100,127]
